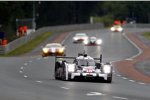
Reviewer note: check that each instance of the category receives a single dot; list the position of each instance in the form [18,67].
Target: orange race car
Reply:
[53,49]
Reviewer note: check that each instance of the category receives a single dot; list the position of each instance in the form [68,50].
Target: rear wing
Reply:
[64,57]
[100,59]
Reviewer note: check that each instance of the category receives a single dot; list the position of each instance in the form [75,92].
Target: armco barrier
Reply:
[137,26]
[55,29]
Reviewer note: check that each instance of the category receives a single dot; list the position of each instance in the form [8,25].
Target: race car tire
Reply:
[63,77]
[109,80]
[56,67]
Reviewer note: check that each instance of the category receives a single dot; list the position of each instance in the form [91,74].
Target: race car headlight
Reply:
[85,41]
[120,29]
[45,50]
[61,50]
[112,28]
[75,38]
[99,41]
[107,69]
[71,67]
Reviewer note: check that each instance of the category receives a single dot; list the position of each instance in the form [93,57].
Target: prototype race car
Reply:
[93,41]
[116,28]
[80,37]
[53,49]
[82,67]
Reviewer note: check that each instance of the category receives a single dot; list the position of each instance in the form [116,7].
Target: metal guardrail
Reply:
[55,29]
[137,25]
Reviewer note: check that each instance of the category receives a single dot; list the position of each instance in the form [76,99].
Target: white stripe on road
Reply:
[25,76]
[65,88]
[94,94]
[66,38]
[20,71]
[21,67]
[131,80]
[25,64]
[116,97]
[118,75]
[39,81]
[124,78]
[141,83]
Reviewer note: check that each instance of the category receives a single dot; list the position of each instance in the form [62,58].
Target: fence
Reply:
[55,29]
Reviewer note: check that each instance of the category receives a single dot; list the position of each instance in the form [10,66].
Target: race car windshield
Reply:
[80,35]
[56,46]
[87,62]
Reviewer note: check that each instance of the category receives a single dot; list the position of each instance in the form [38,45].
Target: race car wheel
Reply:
[64,75]
[56,69]
[109,80]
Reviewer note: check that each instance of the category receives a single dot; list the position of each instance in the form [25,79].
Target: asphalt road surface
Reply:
[31,77]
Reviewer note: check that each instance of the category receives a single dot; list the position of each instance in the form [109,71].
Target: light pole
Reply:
[34,17]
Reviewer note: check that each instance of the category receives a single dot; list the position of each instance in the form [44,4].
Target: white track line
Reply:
[122,98]
[66,38]
[25,64]
[94,94]
[131,80]
[65,88]
[132,57]
[124,78]
[141,83]
[39,81]
[25,76]
[20,71]
[139,49]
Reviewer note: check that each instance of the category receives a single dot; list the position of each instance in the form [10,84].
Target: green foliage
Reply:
[107,20]
[147,35]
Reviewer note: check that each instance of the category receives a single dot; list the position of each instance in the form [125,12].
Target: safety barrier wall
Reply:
[137,26]
[55,29]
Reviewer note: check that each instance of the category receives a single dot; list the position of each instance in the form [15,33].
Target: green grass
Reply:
[27,47]
[147,35]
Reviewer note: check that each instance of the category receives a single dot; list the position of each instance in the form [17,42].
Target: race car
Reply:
[116,28]
[80,37]
[82,67]
[53,49]
[93,41]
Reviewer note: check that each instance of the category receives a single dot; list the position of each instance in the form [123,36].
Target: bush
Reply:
[107,20]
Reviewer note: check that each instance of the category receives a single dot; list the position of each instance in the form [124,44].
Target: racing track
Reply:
[31,78]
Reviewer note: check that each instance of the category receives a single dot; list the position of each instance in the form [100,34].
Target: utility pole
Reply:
[34,17]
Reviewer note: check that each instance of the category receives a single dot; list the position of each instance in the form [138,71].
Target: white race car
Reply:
[116,28]
[82,67]
[93,41]
[80,37]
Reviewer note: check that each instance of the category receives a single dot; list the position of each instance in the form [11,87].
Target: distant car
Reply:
[53,49]
[80,37]
[93,41]
[116,28]
[82,67]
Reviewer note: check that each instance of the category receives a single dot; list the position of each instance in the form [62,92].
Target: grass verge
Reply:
[29,45]
[147,35]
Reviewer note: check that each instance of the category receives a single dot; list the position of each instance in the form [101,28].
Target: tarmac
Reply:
[137,68]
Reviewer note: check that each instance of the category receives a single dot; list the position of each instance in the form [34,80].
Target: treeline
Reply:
[49,13]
